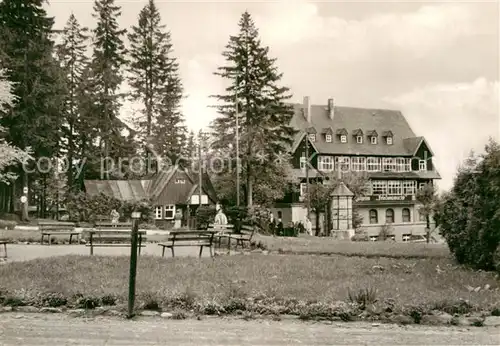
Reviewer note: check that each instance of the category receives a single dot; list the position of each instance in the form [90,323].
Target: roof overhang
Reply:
[422,140]
[299,140]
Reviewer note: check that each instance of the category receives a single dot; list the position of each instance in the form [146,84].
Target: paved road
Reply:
[19,252]
[59,329]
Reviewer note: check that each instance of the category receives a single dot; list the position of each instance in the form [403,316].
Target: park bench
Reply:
[199,238]
[4,243]
[58,228]
[245,236]
[221,232]
[108,234]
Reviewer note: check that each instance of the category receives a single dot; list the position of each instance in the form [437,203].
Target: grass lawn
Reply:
[257,283]
[322,245]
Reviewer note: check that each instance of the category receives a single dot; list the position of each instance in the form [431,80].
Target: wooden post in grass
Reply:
[133,263]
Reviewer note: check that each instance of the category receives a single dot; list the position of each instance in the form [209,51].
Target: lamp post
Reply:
[133,263]
[200,163]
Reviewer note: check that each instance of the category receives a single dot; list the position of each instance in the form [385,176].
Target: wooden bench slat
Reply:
[200,238]
[48,229]
[114,237]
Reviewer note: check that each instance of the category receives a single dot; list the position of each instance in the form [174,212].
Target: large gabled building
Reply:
[376,141]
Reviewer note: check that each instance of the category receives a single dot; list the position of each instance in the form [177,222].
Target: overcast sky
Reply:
[436,62]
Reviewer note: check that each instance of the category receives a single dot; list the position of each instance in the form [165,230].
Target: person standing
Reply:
[308,226]
[220,217]
[115,216]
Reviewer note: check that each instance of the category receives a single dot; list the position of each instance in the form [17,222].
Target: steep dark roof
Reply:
[137,190]
[351,119]
[124,190]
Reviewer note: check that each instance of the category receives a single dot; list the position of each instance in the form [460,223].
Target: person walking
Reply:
[308,226]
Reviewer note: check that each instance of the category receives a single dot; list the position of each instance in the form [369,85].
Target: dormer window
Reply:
[342,135]
[180,181]
[388,136]
[373,139]
[358,133]
[328,138]
[312,137]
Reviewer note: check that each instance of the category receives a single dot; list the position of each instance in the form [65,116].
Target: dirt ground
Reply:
[59,329]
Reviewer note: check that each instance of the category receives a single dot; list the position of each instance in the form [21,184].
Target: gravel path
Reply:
[19,252]
[60,329]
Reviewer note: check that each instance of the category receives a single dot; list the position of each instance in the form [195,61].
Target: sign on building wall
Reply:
[385,198]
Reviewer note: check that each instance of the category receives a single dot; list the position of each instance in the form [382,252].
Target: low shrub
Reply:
[108,300]
[360,237]
[363,297]
[88,303]
[6,224]
[150,302]
[54,300]
[205,215]
[179,315]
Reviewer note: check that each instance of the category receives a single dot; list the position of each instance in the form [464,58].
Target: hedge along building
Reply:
[379,143]
[173,191]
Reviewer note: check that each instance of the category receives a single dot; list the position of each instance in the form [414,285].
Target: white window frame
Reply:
[400,164]
[409,187]
[303,189]
[312,137]
[158,213]
[180,181]
[407,165]
[393,216]
[359,139]
[343,163]
[373,139]
[388,140]
[328,138]
[343,139]
[370,216]
[358,164]
[394,188]
[403,215]
[303,161]
[168,208]
[392,165]
[379,187]
[373,237]
[406,237]
[373,164]
[422,165]
[325,163]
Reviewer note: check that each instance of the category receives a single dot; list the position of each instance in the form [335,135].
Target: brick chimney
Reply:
[307,109]
[331,108]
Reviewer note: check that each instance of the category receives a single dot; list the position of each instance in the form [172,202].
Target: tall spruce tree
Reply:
[106,74]
[264,115]
[71,56]
[155,83]
[26,53]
